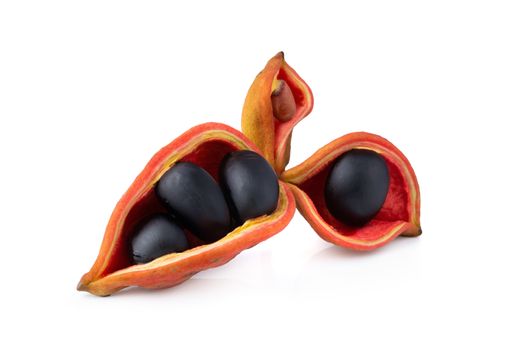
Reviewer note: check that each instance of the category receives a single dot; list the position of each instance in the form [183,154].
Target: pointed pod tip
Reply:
[82,287]
[415,231]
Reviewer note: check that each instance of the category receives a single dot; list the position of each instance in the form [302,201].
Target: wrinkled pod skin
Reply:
[204,145]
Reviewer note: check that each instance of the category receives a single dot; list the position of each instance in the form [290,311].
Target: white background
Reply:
[90,91]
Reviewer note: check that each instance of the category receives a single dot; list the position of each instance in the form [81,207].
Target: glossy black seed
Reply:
[158,236]
[194,197]
[250,185]
[357,186]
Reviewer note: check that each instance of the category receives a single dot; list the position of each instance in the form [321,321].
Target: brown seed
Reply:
[283,102]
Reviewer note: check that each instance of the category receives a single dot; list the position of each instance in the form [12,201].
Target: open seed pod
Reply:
[360,199]
[276,101]
[397,211]
[204,146]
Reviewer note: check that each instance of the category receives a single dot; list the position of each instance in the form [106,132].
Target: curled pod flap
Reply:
[276,101]
[204,145]
[399,214]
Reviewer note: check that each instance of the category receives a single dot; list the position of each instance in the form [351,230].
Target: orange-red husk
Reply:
[400,212]
[110,272]
[272,136]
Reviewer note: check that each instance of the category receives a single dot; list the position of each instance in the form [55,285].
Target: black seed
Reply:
[357,186]
[158,236]
[250,185]
[194,197]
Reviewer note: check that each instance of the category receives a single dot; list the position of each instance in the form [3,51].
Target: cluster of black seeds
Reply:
[248,189]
